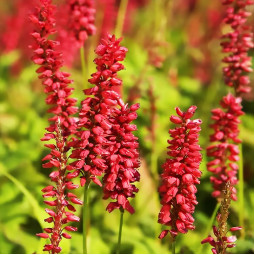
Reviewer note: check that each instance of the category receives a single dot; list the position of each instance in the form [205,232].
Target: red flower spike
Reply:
[62,125]
[105,141]
[56,82]
[123,161]
[237,44]
[180,175]
[224,149]
[91,145]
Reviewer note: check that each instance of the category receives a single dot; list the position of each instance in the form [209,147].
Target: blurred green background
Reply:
[174,59]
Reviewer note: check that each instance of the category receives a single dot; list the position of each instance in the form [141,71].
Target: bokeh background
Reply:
[174,59]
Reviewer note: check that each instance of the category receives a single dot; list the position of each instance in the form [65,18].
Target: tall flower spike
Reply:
[95,126]
[81,19]
[62,125]
[225,149]
[180,175]
[237,44]
[50,60]
[221,241]
[123,160]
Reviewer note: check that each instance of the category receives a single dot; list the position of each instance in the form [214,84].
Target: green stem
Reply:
[209,226]
[173,246]
[121,17]
[85,218]
[241,192]
[154,166]
[120,231]
[83,65]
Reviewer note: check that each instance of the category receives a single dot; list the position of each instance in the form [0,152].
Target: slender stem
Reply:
[121,17]
[209,226]
[154,166]
[120,231]
[85,218]
[83,64]
[173,245]
[241,192]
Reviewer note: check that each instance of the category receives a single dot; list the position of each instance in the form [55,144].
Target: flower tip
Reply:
[179,111]
[231,239]
[43,235]
[67,236]
[190,112]
[175,119]
[235,229]
[207,240]
[163,234]
[135,107]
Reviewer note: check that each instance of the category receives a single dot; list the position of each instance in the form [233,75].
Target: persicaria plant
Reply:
[85,140]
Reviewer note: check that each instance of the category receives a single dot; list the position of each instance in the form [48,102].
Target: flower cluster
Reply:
[237,44]
[81,19]
[180,174]
[123,160]
[221,241]
[225,149]
[62,125]
[105,143]
[50,60]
